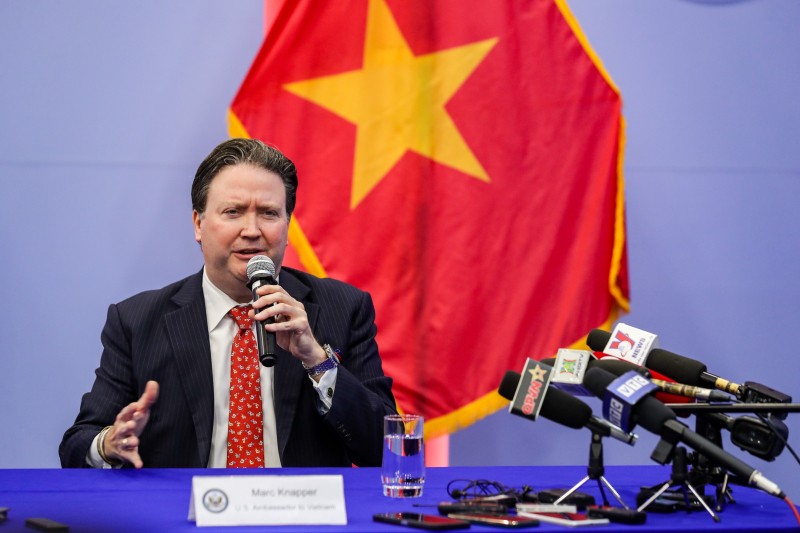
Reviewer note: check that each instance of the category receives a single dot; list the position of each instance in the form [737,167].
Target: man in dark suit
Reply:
[163,390]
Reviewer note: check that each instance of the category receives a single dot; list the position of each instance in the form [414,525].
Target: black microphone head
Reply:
[565,409]
[597,380]
[557,406]
[509,384]
[260,265]
[618,366]
[680,368]
[597,339]
[648,412]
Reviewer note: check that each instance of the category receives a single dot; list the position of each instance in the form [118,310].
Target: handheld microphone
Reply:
[260,272]
[561,408]
[657,418]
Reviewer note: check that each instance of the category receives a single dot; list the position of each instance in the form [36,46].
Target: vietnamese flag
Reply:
[461,161]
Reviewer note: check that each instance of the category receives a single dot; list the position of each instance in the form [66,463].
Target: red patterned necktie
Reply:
[245,426]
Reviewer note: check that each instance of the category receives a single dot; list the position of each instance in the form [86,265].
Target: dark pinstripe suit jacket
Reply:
[163,335]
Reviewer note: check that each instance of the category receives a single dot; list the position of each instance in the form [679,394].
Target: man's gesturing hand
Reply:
[122,440]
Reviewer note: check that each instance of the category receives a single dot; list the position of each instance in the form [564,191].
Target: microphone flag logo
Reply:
[531,390]
[622,395]
[622,342]
[569,369]
[631,344]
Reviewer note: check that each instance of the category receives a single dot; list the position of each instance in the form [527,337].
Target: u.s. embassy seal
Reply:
[215,501]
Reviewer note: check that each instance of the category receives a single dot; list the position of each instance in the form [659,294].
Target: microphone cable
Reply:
[768,421]
[793,508]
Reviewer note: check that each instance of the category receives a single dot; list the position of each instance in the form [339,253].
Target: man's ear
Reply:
[197,219]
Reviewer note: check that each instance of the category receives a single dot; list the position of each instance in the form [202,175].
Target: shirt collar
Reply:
[218,304]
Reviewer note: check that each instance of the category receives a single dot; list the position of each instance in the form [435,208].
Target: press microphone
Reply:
[619,367]
[692,372]
[675,366]
[260,272]
[561,408]
[657,418]
[698,393]
[568,378]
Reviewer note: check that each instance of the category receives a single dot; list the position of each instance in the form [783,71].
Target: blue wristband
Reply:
[328,364]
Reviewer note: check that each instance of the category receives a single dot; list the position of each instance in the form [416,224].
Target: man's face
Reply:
[245,216]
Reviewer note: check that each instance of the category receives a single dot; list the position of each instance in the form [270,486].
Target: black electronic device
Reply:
[496,520]
[753,392]
[471,506]
[421,521]
[580,500]
[755,436]
[45,524]
[617,515]
[505,500]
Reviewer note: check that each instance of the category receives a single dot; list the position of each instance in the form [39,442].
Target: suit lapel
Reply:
[187,328]
[289,373]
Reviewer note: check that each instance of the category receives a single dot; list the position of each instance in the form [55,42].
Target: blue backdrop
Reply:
[108,107]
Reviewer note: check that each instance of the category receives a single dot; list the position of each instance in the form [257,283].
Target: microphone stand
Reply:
[679,479]
[704,468]
[708,426]
[595,470]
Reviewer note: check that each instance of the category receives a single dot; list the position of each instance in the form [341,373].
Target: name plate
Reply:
[267,500]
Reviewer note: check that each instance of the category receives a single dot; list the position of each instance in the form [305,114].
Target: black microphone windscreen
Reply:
[509,384]
[681,369]
[651,414]
[597,380]
[565,409]
[558,406]
[618,366]
[597,339]
[648,412]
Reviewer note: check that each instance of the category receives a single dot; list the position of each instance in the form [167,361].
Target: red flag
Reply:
[461,161]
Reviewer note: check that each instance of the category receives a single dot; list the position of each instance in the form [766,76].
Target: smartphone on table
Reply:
[421,521]
[496,520]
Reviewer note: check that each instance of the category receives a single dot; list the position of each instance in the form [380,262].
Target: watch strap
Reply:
[328,364]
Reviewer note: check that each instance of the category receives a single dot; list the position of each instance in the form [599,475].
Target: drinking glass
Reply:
[403,469]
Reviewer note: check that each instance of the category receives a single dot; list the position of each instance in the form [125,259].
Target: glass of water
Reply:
[403,470]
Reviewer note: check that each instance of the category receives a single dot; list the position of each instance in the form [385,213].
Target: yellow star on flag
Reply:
[397,101]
